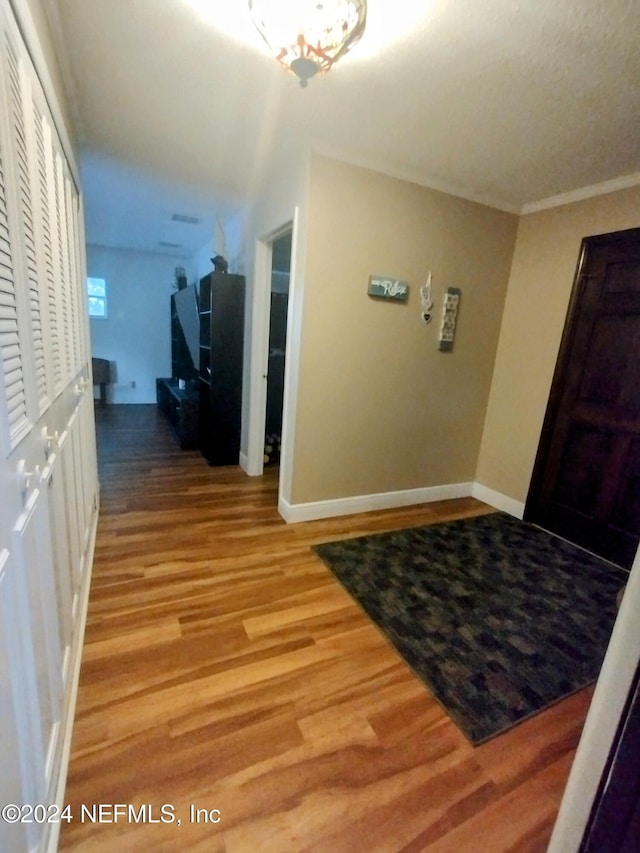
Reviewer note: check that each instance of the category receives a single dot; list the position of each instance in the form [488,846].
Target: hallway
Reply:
[227,676]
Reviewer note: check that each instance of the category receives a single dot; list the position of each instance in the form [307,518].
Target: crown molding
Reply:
[614,185]
[413,176]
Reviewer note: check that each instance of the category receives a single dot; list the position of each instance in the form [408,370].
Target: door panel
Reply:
[16,779]
[586,481]
[53,483]
[581,469]
[42,649]
[606,359]
[628,511]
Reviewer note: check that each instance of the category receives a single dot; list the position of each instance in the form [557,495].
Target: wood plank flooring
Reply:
[227,676]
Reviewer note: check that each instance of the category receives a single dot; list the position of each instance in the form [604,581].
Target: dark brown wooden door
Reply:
[586,480]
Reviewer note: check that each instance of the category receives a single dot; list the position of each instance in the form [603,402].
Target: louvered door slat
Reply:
[21,152]
[9,326]
[45,371]
[19,95]
[6,313]
[47,202]
[56,296]
[73,280]
[10,344]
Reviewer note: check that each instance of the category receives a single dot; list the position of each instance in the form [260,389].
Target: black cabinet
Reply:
[221,303]
[180,405]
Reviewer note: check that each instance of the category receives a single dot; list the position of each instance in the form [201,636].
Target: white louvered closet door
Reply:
[48,471]
[30,352]
[25,172]
[12,337]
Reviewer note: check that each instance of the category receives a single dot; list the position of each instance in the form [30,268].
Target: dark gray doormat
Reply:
[498,617]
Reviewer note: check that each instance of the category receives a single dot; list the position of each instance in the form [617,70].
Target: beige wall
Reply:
[379,408]
[542,275]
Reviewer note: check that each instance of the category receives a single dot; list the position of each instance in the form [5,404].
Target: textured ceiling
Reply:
[504,101]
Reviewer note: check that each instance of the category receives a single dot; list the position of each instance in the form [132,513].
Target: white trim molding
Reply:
[612,186]
[498,500]
[314,510]
[293,513]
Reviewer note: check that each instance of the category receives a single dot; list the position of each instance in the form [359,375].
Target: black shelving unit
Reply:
[221,303]
[182,365]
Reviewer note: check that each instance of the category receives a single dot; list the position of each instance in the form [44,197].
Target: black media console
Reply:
[181,406]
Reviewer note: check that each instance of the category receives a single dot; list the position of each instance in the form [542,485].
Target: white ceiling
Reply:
[508,102]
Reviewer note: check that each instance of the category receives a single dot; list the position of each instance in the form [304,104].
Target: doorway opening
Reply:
[273,374]
[280,275]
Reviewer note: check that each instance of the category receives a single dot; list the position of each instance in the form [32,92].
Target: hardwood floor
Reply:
[225,670]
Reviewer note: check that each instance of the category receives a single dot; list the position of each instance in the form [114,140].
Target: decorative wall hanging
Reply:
[426,300]
[383,287]
[449,317]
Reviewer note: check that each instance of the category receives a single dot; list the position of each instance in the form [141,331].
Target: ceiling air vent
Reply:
[188,220]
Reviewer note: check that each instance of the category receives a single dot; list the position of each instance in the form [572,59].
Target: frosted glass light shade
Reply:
[308,36]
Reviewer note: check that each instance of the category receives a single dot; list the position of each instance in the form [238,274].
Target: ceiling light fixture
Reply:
[308,36]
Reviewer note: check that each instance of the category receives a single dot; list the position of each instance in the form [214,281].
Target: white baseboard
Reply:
[366,503]
[498,500]
[293,513]
[257,470]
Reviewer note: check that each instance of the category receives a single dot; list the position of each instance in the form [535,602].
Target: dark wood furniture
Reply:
[178,395]
[221,303]
[101,370]
[184,334]
[180,405]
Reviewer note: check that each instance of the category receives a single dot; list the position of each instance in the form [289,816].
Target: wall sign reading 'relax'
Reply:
[383,287]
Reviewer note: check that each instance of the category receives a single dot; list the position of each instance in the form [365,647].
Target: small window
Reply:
[97,293]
